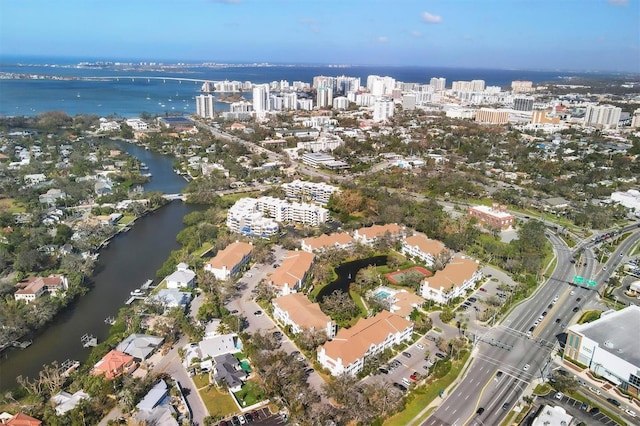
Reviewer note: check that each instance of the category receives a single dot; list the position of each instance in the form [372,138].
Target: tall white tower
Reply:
[261,98]
[205,105]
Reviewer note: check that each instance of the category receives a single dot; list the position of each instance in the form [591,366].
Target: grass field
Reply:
[218,403]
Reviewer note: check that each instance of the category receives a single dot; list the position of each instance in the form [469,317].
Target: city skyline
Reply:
[597,35]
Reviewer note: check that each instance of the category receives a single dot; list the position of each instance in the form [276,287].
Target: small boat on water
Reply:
[110,320]
[143,166]
[138,292]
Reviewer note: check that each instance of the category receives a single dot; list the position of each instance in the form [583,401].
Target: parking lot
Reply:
[579,410]
[261,416]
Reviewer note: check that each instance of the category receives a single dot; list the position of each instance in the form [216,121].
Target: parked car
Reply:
[419,346]
[630,413]
[594,390]
[559,395]
[257,313]
[399,386]
[526,367]
[505,406]
[440,355]
[406,354]
[383,370]
[480,411]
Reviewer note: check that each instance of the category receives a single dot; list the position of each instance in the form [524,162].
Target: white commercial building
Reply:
[383,109]
[602,116]
[630,199]
[608,346]
[250,216]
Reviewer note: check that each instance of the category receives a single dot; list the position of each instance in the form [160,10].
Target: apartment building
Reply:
[495,216]
[319,192]
[245,218]
[421,247]
[347,351]
[229,261]
[492,116]
[298,312]
[289,276]
[339,241]
[369,235]
[459,275]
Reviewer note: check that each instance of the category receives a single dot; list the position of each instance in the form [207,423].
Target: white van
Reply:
[406,381]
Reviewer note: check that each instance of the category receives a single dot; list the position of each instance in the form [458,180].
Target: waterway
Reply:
[130,259]
[347,274]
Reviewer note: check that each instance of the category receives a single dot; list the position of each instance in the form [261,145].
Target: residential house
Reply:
[183,277]
[19,419]
[371,234]
[229,261]
[114,364]
[139,346]
[227,370]
[171,298]
[51,196]
[64,401]
[289,276]
[421,247]
[33,287]
[102,188]
[155,408]
[298,312]
[460,275]
[340,241]
[346,353]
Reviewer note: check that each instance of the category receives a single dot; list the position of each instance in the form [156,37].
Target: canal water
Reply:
[347,274]
[125,264]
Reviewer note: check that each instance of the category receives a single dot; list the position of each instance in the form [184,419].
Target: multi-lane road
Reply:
[507,358]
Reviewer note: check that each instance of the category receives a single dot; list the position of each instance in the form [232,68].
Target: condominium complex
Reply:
[522,86]
[492,116]
[258,216]
[453,281]
[383,109]
[602,116]
[309,191]
[291,274]
[421,247]
[205,106]
[229,261]
[298,312]
[438,83]
[346,353]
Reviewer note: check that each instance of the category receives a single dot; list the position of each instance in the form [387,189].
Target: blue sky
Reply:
[526,34]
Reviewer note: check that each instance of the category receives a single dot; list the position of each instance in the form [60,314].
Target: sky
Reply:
[578,35]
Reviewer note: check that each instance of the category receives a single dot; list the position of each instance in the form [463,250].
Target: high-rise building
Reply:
[261,98]
[290,101]
[409,102]
[205,106]
[518,86]
[635,121]
[324,81]
[602,116]
[492,116]
[522,103]
[438,83]
[324,97]
[380,86]
[383,109]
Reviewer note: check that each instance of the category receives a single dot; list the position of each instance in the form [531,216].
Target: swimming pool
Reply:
[382,294]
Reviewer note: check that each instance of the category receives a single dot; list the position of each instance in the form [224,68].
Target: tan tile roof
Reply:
[293,268]
[231,255]
[405,301]
[379,230]
[302,311]
[328,241]
[425,244]
[32,285]
[352,343]
[454,274]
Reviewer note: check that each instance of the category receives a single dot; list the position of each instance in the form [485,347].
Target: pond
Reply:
[347,274]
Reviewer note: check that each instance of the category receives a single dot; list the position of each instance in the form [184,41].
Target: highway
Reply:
[507,348]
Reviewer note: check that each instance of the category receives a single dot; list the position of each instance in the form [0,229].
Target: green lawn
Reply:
[201,380]
[204,249]
[250,394]
[11,206]
[424,395]
[218,403]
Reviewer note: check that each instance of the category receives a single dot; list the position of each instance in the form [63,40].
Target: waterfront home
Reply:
[421,247]
[298,312]
[212,345]
[114,364]
[171,298]
[64,401]
[371,234]
[346,353]
[183,277]
[19,419]
[338,241]
[460,275]
[229,261]
[139,346]
[33,287]
[289,276]
[228,371]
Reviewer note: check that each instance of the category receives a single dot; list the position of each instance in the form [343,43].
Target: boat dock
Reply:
[146,285]
[68,367]
[21,345]
[110,320]
[133,299]
[88,340]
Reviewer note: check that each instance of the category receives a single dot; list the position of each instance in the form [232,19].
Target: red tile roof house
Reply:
[34,287]
[350,347]
[114,364]
[19,419]
[290,275]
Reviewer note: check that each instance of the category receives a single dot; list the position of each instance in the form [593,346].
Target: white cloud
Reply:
[619,2]
[436,19]
[382,39]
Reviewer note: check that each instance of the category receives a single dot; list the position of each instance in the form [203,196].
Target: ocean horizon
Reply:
[135,91]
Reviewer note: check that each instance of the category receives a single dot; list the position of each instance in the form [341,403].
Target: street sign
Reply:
[592,283]
[578,279]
